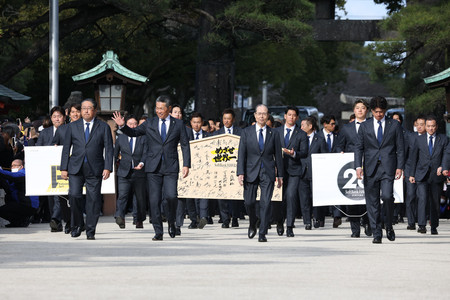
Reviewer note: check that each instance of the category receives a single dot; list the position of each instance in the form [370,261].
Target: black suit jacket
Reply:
[45,137]
[422,163]
[318,145]
[410,139]
[60,135]
[100,141]
[347,138]
[190,134]
[236,130]
[139,154]
[250,158]
[334,144]
[156,147]
[391,152]
[298,142]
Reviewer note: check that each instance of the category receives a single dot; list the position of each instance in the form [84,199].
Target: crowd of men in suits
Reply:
[268,156]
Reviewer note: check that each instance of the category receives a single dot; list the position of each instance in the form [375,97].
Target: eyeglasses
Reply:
[261,113]
[87,108]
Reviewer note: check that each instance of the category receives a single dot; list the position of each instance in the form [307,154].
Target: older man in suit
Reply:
[161,165]
[427,160]
[259,164]
[130,174]
[380,150]
[89,162]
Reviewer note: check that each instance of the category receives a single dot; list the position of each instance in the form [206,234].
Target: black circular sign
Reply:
[348,183]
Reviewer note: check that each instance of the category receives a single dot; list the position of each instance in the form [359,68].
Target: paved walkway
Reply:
[216,263]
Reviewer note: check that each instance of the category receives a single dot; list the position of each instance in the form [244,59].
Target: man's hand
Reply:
[412,179]
[359,173]
[64,175]
[445,173]
[287,151]
[105,174]
[439,171]
[185,172]
[279,182]
[241,179]
[117,117]
[398,174]
[139,166]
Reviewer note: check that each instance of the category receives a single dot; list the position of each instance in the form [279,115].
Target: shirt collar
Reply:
[258,128]
[91,122]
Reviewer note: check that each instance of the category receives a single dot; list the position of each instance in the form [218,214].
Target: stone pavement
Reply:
[216,263]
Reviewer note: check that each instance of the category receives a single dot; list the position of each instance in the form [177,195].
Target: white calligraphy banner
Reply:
[213,170]
[334,181]
[43,176]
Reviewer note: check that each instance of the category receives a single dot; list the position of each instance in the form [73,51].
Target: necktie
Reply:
[196,135]
[430,145]
[131,145]
[261,140]
[380,133]
[357,126]
[163,130]
[329,142]
[229,130]
[286,138]
[86,132]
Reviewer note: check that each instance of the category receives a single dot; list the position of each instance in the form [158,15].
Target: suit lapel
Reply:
[155,126]
[80,128]
[171,128]
[387,127]
[93,130]
[293,135]
[268,136]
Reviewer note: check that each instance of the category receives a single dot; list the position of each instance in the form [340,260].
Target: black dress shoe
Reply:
[367,230]
[411,227]
[67,229]
[280,228]
[209,220]
[178,231]
[202,223]
[193,225]
[262,238]
[434,231]
[157,237]
[390,234]
[172,230]
[55,225]
[336,222]
[251,232]
[376,240]
[121,222]
[91,237]
[235,222]
[321,223]
[316,224]
[308,227]
[422,229]
[355,235]
[139,224]
[225,225]
[290,232]
[76,232]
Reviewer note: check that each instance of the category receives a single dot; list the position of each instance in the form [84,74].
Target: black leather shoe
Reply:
[139,224]
[308,227]
[422,229]
[290,232]
[251,232]
[367,230]
[91,237]
[336,222]
[67,229]
[55,225]
[411,227]
[157,237]
[235,222]
[434,231]
[280,228]
[355,235]
[193,225]
[262,238]
[209,220]
[225,225]
[376,240]
[121,222]
[316,224]
[76,232]
[202,223]
[172,230]
[390,234]
[178,231]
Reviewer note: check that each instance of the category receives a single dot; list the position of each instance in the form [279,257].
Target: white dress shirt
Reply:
[263,132]
[375,125]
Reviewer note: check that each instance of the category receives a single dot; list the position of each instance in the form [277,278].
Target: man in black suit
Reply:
[161,165]
[316,144]
[327,133]
[130,174]
[427,158]
[57,206]
[89,162]
[381,146]
[294,143]
[259,164]
[411,188]
[346,142]
[229,207]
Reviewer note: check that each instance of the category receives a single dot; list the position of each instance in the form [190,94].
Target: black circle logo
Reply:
[349,185]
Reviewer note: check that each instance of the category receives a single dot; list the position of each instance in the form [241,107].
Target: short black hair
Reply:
[431,118]
[94,103]
[291,107]
[361,101]
[229,111]
[196,114]
[378,102]
[165,99]
[313,121]
[400,117]
[130,117]
[177,105]
[76,105]
[57,109]
[327,119]
[421,117]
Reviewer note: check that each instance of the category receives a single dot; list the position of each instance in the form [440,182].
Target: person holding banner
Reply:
[346,142]
[89,162]
[427,160]
[259,164]
[162,166]
[379,155]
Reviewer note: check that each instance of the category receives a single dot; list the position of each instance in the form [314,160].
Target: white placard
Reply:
[42,174]
[334,181]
